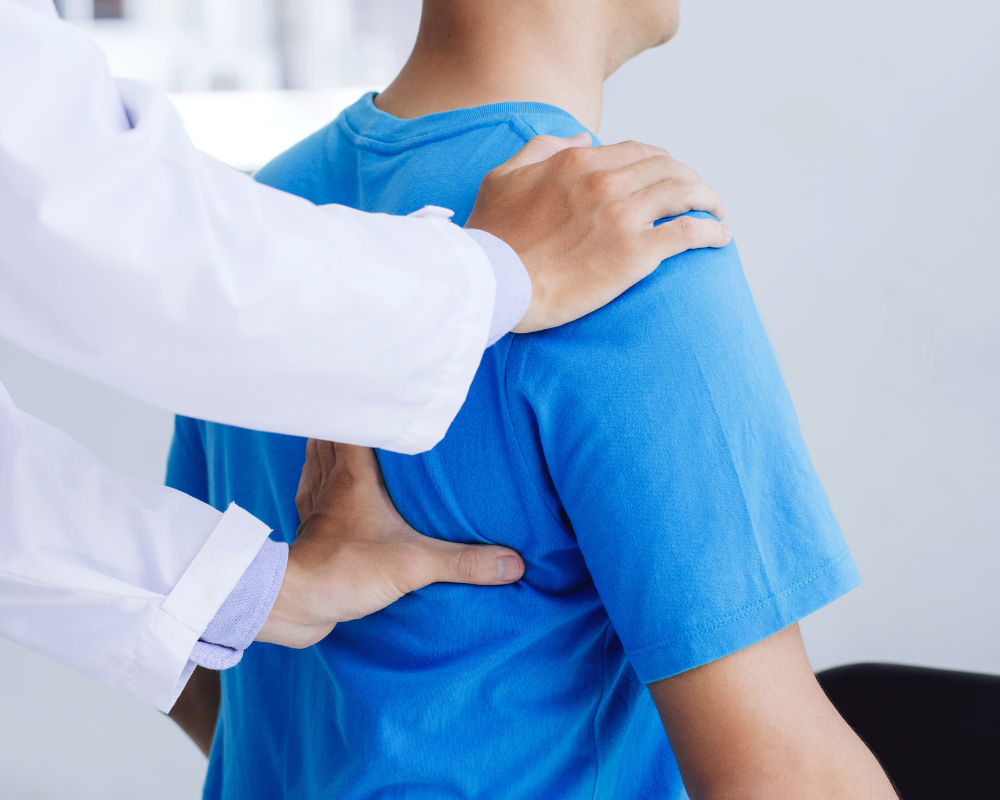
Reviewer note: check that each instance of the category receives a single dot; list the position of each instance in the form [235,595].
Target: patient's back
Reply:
[645,461]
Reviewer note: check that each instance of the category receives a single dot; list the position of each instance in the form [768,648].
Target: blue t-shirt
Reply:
[646,462]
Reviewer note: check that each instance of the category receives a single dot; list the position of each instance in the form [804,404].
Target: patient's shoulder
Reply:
[302,169]
[692,317]
[675,375]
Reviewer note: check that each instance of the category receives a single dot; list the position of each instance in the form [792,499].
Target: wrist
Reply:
[513,284]
[538,315]
[292,622]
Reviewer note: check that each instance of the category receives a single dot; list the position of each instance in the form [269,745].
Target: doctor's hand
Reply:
[581,220]
[354,555]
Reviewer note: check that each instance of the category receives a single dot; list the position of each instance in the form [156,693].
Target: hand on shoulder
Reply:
[582,220]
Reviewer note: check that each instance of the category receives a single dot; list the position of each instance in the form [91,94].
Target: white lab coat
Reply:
[129,256]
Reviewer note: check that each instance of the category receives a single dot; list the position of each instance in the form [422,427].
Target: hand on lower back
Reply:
[581,219]
[354,554]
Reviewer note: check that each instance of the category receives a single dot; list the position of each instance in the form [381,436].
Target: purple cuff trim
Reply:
[245,611]
[215,656]
[513,284]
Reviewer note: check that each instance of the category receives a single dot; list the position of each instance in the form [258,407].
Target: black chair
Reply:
[935,732]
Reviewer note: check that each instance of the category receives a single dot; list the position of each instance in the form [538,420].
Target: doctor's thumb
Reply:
[542,148]
[480,564]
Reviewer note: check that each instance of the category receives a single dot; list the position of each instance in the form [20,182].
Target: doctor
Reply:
[132,258]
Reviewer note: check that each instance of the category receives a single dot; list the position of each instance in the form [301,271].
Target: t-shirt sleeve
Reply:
[674,456]
[187,467]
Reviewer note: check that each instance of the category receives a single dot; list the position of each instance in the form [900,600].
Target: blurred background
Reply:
[855,147]
[252,77]
[200,45]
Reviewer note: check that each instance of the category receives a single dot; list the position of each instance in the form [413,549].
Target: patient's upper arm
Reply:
[671,441]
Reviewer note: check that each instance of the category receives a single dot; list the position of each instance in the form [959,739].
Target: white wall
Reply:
[855,145]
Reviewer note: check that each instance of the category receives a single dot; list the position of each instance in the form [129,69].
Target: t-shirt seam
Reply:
[747,610]
[553,512]
[527,125]
[382,147]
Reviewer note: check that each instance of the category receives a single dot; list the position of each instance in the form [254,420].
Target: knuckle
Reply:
[343,479]
[573,159]
[490,180]
[672,185]
[695,194]
[604,183]
[468,564]
[637,149]
[683,166]
[618,215]
[687,227]
[666,162]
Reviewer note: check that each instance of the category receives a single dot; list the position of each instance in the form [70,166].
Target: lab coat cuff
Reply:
[513,284]
[240,618]
[215,657]
[163,662]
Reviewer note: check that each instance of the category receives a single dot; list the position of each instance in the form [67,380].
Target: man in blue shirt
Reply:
[645,461]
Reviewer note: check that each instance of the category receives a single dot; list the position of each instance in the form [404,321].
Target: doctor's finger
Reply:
[312,471]
[304,495]
[671,197]
[480,564]
[686,233]
[650,171]
[624,154]
[541,148]
[326,459]
[358,463]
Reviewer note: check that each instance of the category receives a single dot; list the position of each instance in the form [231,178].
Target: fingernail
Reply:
[729,233]
[508,568]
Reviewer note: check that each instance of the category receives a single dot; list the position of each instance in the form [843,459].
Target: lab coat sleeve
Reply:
[133,258]
[114,577]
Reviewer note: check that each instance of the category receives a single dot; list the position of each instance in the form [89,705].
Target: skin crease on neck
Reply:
[476,52]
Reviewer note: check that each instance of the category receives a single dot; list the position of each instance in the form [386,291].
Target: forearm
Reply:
[197,709]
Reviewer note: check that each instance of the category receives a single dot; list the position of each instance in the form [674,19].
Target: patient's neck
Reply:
[474,53]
